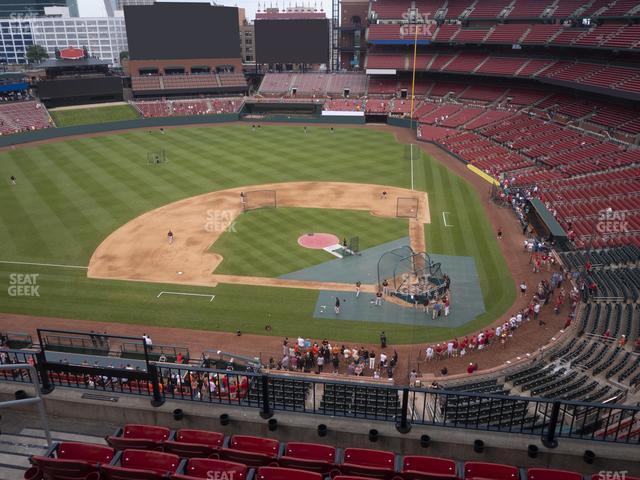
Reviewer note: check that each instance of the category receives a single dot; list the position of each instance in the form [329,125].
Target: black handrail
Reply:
[551,419]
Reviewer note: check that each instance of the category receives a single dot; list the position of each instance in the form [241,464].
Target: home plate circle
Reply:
[318,241]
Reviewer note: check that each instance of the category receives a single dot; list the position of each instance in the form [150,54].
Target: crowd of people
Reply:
[544,294]
[303,355]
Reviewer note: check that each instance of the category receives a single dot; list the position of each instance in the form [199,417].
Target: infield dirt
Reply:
[140,249]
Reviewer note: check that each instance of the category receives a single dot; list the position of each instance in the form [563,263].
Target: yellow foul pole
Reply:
[413,79]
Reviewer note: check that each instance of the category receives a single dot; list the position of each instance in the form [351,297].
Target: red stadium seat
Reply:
[252,451]
[142,465]
[550,474]
[493,471]
[309,456]
[418,467]
[194,443]
[372,463]
[277,473]
[140,437]
[197,468]
[72,460]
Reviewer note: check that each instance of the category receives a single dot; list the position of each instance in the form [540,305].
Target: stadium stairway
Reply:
[15,449]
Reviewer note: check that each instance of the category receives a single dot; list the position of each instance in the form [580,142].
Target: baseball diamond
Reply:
[368,239]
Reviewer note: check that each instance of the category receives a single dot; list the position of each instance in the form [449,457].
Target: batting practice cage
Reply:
[412,276]
[254,199]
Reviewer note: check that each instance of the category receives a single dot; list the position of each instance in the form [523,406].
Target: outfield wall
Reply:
[50,133]
[402,122]
[348,120]
[53,133]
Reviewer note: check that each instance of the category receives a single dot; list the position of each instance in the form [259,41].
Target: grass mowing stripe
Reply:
[85,116]
[30,199]
[138,179]
[117,183]
[78,225]
[80,185]
[171,172]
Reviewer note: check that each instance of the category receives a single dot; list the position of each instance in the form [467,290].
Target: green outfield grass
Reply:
[85,116]
[265,242]
[71,194]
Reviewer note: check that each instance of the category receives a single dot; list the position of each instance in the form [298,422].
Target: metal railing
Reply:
[548,418]
[37,399]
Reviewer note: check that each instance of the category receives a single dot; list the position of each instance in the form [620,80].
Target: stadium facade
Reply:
[24,8]
[103,37]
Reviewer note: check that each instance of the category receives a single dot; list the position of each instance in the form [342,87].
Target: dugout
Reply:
[545,224]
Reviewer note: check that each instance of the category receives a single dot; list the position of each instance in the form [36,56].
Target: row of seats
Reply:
[176,108]
[601,258]
[313,84]
[612,77]
[126,459]
[16,117]
[500,9]
[576,175]
[614,36]
[196,81]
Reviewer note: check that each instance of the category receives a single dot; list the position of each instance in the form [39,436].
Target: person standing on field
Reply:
[378,302]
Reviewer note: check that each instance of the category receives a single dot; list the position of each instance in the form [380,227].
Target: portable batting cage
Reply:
[411,276]
[156,158]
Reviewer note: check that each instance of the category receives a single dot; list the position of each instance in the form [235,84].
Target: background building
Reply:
[58,27]
[247,43]
[104,38]
[21,8]
[15,38]
[120,4]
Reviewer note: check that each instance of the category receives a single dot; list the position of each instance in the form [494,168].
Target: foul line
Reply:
[444,219]
[189,294]
[6,262]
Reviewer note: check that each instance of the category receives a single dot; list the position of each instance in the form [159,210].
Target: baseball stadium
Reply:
[392,239]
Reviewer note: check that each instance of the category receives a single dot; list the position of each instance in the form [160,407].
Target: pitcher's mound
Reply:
[318,241]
